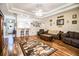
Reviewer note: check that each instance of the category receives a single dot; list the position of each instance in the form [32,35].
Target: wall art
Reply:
[60,22]
[36,23]
[74,16]
[74,22]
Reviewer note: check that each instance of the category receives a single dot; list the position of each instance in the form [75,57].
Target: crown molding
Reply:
[62,9]
[16,10]
[47,14]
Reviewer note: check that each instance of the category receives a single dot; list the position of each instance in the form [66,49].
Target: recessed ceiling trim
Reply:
[20,10]
[59,8]
[62,10]
[53,12]
[16,10]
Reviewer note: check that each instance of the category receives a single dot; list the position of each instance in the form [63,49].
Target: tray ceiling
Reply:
[31,8]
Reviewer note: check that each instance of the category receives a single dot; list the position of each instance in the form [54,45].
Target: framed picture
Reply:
[74,16]
[50,22]
[60,22]
[36,23]
[74,22]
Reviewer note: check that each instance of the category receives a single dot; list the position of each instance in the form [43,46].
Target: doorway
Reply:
[1,33]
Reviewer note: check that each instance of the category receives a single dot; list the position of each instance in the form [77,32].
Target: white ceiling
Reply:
[30,8]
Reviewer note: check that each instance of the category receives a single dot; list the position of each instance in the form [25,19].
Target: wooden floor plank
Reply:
[62,48]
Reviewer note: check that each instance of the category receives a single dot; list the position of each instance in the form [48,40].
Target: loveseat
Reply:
[49,34]
[71,38]
[43,35]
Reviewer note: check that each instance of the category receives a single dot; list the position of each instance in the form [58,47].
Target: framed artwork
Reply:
[60,22]
[36,23]
[74,22]
[74,16]
[60,16]
[50,22]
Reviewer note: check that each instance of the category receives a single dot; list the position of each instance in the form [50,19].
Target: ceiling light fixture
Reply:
[39,13]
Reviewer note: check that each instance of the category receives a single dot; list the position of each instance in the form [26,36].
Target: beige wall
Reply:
[67,17]
[25,20]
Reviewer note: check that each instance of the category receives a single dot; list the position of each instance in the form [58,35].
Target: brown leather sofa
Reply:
[41,31]
[71,38]
[44,34]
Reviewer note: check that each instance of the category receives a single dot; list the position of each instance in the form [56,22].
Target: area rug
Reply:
[36,48]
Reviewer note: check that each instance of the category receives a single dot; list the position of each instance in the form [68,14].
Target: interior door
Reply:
[1,34]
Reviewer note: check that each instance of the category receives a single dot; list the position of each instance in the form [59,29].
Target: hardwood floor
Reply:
[62,48]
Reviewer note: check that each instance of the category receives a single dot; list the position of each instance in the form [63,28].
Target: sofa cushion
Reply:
[75,41]
[67,34]
[53,32]
[67,40]
[76,35]
[50,31]
[71,34]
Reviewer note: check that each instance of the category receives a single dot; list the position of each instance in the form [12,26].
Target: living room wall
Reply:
[24,21]
[68,26]
[33,29]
